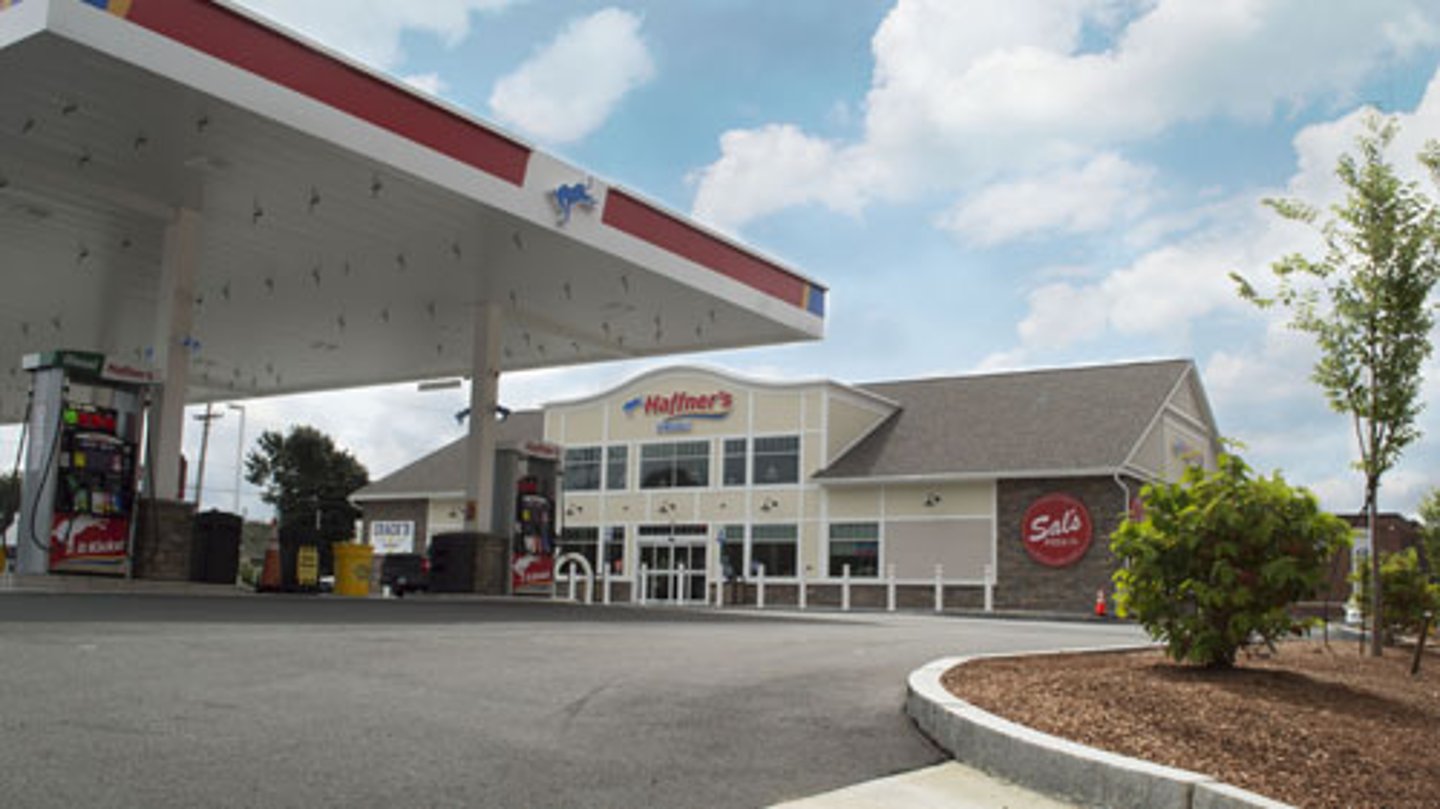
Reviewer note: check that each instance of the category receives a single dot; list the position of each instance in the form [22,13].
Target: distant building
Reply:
[1019,476]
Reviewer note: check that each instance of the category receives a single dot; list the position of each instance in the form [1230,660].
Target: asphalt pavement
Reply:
[151,700]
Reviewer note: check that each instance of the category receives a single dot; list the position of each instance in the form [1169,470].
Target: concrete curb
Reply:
[1056,766]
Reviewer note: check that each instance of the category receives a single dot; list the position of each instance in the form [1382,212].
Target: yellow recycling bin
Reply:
[352,568]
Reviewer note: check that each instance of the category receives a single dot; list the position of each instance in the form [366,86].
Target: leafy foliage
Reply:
[9,500]
[1430,530]
[1410,596]
[1218,559]
[303,474]
[1366,300]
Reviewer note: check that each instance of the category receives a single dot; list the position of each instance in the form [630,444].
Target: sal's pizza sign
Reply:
[1056,530]
[677,412]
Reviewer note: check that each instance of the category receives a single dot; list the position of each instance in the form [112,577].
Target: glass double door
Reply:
[675,569]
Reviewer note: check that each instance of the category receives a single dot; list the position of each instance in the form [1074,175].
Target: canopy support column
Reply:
[484,396]
[174,324]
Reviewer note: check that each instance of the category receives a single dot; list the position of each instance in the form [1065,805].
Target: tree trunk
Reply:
[1420,645]
[1376,641]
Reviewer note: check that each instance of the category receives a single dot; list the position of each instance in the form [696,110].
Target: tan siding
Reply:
[1150,457]
[847,423]
[961,546]
[861,503]
[950,500]
[777,412]
[584,427]
[1186,401]
[719,507]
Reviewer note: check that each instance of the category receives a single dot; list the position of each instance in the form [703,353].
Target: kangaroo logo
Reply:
[566,198]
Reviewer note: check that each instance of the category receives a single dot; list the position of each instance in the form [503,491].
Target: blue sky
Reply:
[983,185]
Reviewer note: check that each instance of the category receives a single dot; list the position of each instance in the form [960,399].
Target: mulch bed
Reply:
[1313,726]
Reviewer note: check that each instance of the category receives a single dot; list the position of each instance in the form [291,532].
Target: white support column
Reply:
[173,342]
[480,451]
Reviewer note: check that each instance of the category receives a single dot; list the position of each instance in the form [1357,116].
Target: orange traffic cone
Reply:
[1099,603]
[270,573]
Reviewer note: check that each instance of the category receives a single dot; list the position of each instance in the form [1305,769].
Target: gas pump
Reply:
[533,563]
[77,495]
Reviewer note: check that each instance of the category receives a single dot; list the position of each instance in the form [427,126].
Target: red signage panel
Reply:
[1056,530]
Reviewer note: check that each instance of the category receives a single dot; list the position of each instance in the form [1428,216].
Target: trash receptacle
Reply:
[452,563]
[353,562]
[215,547]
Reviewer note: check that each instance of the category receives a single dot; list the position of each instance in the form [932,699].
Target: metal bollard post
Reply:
[890,588]
[845,588]
[605,583]
[570,590]
[759,587]
[802,598]
[682,584]
[989,588]
[643,582]
[939,588]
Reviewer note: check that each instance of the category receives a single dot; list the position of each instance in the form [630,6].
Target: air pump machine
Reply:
[78,490]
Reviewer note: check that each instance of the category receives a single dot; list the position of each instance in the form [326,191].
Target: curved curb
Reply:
[1057,766]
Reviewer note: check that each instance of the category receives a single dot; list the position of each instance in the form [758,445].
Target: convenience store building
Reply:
[698,476]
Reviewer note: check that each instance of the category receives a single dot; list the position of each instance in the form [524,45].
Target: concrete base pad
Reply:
[944,786]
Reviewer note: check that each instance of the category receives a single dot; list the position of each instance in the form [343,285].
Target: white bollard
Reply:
[989,588]
[939,588]
[643,582]
[682,584]
[844,588]
[605,583]
[802,597]
[890,588]
[570,590]
[759,587]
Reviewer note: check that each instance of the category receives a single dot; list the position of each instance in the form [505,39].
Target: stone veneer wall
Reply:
[1022,583]
[163,539]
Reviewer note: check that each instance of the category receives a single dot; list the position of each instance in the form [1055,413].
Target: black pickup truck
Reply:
[405,573]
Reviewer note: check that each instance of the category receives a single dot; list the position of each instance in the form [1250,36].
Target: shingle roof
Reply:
[1060,420]
[444,469]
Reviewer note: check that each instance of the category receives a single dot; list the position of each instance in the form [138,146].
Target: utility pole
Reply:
[208,416]
[239,451]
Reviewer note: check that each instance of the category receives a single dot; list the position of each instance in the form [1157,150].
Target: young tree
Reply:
[307,479]
[1366,302]
[1219,558]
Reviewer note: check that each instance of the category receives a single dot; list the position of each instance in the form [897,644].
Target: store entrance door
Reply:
[675,563]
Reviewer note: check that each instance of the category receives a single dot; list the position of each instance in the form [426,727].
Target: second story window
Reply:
[684,464]
[616,459]
[735,462]
[776,460]
[582,469]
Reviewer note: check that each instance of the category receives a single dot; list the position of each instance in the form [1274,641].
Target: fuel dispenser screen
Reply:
[94,495]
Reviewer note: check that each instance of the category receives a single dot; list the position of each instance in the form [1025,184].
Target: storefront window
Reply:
[582,469]
[615,550]
[777,460]
[684,464]
[774,547]
[615,467]
[584,541]
[734,474]
[856,544]
[732,551]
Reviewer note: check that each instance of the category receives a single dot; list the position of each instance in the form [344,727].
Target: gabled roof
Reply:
[1060,421]
[443,471]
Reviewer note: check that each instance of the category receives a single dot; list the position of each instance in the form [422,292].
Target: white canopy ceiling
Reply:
[349,224]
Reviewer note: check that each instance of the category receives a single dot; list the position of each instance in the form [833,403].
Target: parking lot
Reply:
[175,701]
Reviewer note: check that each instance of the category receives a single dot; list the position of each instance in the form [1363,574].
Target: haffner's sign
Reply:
[1056,530]
[677,411]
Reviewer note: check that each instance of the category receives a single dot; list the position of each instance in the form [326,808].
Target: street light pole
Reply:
[239,451]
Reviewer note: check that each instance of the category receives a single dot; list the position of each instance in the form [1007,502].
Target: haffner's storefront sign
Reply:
[677,411]
[1056,530]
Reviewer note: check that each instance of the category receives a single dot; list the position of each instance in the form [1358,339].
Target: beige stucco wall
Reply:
[960,546]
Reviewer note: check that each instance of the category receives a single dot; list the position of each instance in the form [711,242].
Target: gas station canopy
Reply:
[343,229]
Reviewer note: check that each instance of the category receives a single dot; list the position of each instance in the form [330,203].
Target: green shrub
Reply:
[1409,598]
[1219,558]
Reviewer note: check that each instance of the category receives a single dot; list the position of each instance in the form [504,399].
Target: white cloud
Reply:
[964,90]
[370,30]
[1104,192]
[427,83]
[568,88]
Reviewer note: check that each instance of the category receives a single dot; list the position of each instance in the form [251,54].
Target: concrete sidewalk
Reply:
[944,786]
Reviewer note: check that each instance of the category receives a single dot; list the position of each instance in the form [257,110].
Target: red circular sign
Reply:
[1056,530]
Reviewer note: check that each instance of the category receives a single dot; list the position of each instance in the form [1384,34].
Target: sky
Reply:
[983,185]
